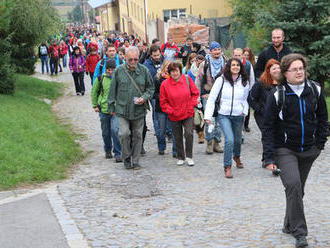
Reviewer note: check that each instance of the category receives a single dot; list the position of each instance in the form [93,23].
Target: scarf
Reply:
[216,65]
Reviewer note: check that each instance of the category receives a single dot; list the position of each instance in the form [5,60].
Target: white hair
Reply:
[133,49]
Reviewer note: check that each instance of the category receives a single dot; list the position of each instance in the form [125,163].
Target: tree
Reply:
[246,19]
[6,72]
[76,15]
[307,28]
[31,21]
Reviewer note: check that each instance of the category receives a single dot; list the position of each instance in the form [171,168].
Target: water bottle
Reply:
[210,128]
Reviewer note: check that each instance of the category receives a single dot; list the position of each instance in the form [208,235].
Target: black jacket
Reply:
[267,54]
[258,97]
[158,82]
[301,124]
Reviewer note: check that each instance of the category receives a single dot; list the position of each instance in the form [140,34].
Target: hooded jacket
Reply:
[178,99]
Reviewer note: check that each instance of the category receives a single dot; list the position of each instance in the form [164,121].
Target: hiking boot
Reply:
[190,161]
[201,137]
[209,147]
[238,162]
[301,242]
[217,147]
[228,173]
[128,164]
[161,153]
[136,166]
[108,155]
[118,160]
[247,129]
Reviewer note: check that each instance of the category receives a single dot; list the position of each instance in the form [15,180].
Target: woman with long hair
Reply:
[248,54]
[78,67]
[190,61]
[232,88]
[260,90]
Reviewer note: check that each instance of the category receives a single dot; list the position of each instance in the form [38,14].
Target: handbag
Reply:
[217,101]
[146,104]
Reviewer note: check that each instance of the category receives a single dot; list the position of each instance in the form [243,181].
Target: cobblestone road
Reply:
[164,205]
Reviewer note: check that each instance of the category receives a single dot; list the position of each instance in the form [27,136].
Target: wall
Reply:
[203,9]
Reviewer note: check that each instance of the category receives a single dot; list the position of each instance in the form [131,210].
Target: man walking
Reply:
[209,72]
[130,91]
[276,51]
[294,133]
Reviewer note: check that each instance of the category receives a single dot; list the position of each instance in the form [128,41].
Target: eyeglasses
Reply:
[295,70]
[131,60]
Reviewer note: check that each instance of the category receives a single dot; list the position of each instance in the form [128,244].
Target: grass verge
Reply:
[34,146]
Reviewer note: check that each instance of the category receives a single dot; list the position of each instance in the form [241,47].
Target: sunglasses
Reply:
[131,60]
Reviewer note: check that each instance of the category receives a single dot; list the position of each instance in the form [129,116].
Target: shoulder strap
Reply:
[133,81]
[280,96]
[217,101]
[101,85]
[315,92]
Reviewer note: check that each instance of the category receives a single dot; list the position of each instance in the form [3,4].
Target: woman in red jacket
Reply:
[92,59]
[178,97]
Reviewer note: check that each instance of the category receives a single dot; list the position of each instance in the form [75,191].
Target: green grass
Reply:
[34,146]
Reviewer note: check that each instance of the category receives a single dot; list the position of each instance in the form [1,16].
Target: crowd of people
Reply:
[193,88]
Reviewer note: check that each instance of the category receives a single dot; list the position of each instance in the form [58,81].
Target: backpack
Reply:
[102,65]
[281,93]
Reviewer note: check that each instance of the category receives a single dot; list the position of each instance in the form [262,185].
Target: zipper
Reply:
[285,137]
[232,101]
[302,123]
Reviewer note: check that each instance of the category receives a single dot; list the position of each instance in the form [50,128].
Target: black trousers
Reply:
[79,84]
[247,120]
[259,120]
[188,126]
[295,167]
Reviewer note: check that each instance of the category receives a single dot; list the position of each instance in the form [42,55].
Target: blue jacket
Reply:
[97,72]
[151,67]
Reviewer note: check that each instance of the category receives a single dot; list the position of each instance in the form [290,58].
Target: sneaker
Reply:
[301,242]
[180,162]
[83,93]
[161,153]
[190,161]
[108,155]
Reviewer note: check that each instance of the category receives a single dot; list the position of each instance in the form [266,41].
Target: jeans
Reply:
[53,62]
[91,75]
[79,84]
[110,128]
[216,133]
[130,134]
[188,126]
[232,127]
[154,120]
[163,121]
[64,60]
[44,62]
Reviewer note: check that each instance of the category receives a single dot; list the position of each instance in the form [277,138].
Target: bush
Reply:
[7,85]
[24,59]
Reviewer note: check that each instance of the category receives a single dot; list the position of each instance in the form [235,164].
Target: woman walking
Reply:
[77,67]
[260,90]
[232,90]
[178,97]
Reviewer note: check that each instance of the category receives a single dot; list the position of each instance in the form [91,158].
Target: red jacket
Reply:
[178,99]
[167,46]
[91,62]
[54,51]
[63,49]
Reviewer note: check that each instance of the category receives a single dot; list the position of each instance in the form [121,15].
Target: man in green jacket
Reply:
[109,123]
[131,88]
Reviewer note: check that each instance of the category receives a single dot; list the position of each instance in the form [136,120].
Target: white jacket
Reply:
[233,99]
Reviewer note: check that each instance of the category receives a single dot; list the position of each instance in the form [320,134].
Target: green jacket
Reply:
[123,91]
[100,94]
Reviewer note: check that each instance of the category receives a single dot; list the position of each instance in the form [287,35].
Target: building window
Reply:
[174,13]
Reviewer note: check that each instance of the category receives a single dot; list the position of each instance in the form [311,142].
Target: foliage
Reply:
[246,19]
[6,71]
[34,147]
[307,28]
[76,15]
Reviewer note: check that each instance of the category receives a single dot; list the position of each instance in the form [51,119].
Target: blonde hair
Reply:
[163,69]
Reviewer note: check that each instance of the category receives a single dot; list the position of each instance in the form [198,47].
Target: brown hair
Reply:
[265,77]
[251,55]
[289,59]
[190,58]
[173,66]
